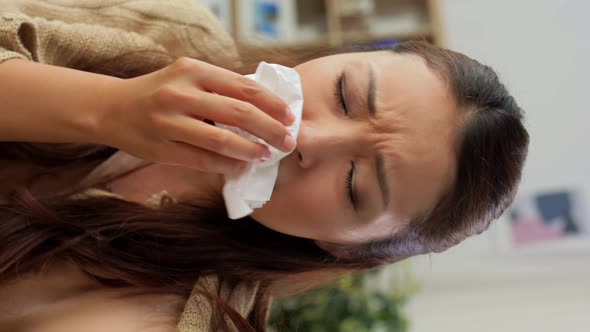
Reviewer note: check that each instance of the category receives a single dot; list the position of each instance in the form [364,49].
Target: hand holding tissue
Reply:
[253,188]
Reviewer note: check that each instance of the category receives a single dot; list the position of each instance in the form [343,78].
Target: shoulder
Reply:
[112,310]
[181,27]
[62,298]
[198,311]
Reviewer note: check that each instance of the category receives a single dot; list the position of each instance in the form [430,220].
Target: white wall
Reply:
[541,50]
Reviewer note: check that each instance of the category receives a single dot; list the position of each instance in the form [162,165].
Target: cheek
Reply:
[318,91]
[305,207]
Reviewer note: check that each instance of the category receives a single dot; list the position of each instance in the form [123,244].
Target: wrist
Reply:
[108,102]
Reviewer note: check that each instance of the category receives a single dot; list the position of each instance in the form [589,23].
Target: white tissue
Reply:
[251,189]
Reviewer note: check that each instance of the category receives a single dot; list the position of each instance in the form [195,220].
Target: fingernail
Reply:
[290,116]
[265,155]
[288,143]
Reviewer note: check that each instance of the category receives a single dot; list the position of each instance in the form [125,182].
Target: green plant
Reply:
[367,302]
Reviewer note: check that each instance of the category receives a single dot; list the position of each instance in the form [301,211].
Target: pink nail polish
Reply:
[265,155]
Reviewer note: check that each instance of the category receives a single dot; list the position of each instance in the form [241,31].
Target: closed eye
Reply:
[350,186]
[339,93]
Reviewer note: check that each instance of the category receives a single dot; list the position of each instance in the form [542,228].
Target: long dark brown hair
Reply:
[125,244]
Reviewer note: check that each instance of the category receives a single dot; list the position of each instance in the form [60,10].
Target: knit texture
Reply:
[130,36]
[112,35]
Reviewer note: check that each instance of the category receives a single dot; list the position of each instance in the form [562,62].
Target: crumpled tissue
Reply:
[253,188]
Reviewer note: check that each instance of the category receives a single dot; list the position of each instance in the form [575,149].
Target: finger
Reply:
[186,155]
[243,115]
[230,84]
[223,142]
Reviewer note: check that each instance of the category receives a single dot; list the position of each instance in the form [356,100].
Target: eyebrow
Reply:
[379,160]
[371,92]
[382,179]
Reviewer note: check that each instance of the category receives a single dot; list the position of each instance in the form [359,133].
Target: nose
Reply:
[316,144]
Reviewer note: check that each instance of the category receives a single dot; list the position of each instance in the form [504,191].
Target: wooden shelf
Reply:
[419,19]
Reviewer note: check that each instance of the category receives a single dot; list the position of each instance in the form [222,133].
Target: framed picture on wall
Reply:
[547,216]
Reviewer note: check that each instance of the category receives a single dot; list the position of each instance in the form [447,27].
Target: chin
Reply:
[258,215]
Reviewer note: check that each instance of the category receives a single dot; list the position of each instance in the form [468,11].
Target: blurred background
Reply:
[531,270]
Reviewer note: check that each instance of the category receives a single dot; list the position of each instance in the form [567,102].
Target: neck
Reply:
[181,183]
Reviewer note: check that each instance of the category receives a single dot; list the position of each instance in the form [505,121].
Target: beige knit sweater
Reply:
[134,36]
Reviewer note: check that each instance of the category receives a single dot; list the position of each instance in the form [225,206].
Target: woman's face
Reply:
[371,159]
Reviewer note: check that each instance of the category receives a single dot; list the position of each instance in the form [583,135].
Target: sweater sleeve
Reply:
[11,45]
[112,36]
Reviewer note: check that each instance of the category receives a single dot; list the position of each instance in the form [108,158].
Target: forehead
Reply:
[416,129]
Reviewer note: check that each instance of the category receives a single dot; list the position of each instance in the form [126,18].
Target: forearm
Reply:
[43,103]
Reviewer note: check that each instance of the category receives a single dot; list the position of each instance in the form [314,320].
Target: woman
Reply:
[401,152]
